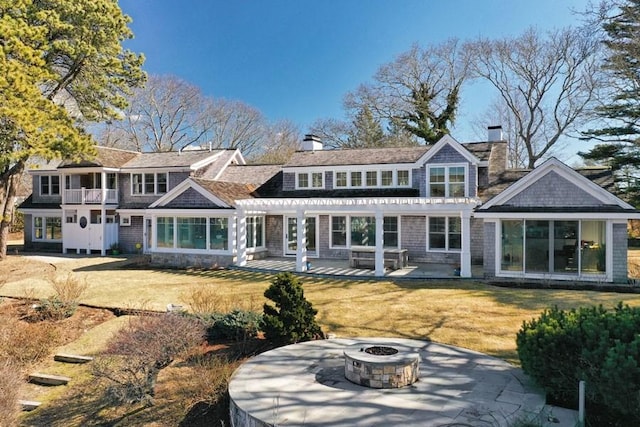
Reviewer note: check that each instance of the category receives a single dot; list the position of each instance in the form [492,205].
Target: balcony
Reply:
[90,196]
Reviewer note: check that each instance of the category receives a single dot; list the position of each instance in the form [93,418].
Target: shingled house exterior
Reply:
[378,208]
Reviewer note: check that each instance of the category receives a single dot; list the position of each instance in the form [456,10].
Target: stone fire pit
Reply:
[381,366]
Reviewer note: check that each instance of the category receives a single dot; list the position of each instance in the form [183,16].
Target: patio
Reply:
[337,268]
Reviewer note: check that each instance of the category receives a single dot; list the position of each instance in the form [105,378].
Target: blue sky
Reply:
[296,59]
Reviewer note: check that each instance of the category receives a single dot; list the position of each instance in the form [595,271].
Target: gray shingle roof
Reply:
[250,174]
[228,192]
[105,157]
[357,156]
[172,159]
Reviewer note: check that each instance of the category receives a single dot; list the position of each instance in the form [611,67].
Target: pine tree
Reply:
[620,147]
[367,131]
[293,317]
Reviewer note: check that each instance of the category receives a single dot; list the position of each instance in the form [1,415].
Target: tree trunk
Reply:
[8,186]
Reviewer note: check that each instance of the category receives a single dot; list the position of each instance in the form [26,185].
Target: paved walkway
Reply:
[304,385]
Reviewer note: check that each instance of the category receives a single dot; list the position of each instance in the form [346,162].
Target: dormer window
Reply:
[386,178]
[356,179]
[372,178]
[447,181]
[310,180]
[341,179]
[403,178]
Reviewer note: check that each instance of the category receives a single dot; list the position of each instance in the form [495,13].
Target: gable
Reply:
[447,154]
[190,198]
[553,190]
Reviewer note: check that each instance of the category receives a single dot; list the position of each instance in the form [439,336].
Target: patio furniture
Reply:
[366,256]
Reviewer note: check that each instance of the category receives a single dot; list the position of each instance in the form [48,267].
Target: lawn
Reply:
[464,313]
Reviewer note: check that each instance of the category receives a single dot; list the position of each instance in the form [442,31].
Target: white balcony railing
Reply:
[93,196]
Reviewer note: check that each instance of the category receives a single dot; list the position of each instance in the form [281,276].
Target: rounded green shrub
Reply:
[601,347]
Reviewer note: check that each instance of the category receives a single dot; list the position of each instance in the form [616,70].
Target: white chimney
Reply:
[494,133]
[311,143]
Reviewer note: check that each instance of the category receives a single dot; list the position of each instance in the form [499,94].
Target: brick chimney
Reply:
[498,154]
[311,143]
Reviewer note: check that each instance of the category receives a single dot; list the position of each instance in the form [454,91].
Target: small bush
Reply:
[293,317]
[238,325]
[602,347]
[205,299]
[26,343]
[70,289]
[53,308]
[136,354]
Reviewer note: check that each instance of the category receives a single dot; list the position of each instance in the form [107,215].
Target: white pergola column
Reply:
[241,238]
[465,255]
[379,243]
[301,241]
[103,228]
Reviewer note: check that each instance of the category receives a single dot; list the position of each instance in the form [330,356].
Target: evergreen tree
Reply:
[293,317]
[620,147]
[366,132]
[61,61]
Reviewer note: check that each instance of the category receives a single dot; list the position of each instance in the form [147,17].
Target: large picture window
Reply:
[445,233]
[363,231]
[553,247]
[201,233]
[47,228]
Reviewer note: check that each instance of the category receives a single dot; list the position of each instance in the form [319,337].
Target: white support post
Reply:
[379,244]
[465,255]
[103,230]
[103,187]
[581,413]
[301,241]
[241,238]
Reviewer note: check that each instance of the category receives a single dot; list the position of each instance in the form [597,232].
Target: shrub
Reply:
[136,354]
[205,299]
[238,325]
[26,343]
[293,317]
[602,347]
[10,382]
[64,302]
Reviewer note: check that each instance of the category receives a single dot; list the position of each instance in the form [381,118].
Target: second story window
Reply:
[148,183]
[372,178]
[49,185]
[341,179]
[310,180]
[403,178]
[356,179]
[447,181]
[386,178]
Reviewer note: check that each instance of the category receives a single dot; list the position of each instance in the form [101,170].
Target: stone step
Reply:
[29,405]
[48,379]
[71,358]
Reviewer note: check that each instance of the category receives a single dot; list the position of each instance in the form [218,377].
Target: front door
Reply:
[291,235]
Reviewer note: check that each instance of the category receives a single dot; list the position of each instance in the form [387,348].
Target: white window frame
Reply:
[49,179]
[348,244]
[251,249]
[447,231]
[207,249]
[310,182]
[447,184]
[364,175]
[143,183]
[44,228]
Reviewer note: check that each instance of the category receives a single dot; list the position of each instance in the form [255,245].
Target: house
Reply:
[380,208]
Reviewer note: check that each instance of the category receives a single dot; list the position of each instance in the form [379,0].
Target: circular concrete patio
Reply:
[304,384]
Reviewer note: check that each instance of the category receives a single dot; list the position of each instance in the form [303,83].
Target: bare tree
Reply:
[419,91]
[499,113]
[548,82]
[165,115]
[282,139]
[237,125]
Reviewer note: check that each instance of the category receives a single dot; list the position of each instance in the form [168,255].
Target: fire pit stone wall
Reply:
[381,371]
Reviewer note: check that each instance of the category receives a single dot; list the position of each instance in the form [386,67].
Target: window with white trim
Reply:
[194,233]
[446,181]
[445,233]
[372,178]
[149,183]
[341,179]
[378,178]
[47,228]
[49,185]
[403,178]
[309,180]
[348,231]
[386,178]
[255,232]
[356,179]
